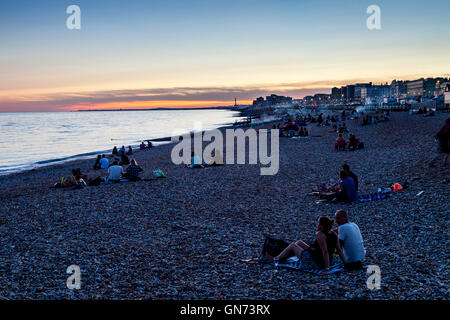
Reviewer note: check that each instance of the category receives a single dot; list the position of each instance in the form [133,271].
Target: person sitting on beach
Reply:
[320,253]
[346,168]
[130,151]
[340,143]
[122,151]
[142,145]
[124,160]
[351,241]
[195,161]
[347,188]
[353,142]
[97,164]
[305,132]
[114,172]
[115,152]
[149,144]
[132,171]
[104,163]
[443,138]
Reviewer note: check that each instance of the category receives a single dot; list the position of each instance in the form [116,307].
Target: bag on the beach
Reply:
[273,246]
[95,182]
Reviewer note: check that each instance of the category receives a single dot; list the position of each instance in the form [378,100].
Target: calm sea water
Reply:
[29,140]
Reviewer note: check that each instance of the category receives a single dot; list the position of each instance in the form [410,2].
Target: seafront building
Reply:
[431,92]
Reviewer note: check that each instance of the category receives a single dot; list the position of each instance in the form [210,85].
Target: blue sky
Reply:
[241,47]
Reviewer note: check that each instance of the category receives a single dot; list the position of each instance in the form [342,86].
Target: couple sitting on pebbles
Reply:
[353,143]
[197,163]
[346,239]
[345,190]
[116,172]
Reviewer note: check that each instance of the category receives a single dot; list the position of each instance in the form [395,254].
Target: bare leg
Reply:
[295,248]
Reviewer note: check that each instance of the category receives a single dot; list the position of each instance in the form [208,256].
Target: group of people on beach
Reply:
[346,240]
[353,143]
[114,173]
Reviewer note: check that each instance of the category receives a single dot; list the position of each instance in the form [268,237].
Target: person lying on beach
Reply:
[77,179]
[320,253]
[350,240]
[340,143]
[114,172]
[132,171]
[97,164]
[104,163]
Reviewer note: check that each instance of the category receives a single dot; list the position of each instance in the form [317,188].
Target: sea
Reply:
[33,139]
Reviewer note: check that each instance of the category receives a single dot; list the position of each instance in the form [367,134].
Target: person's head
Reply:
[343,174]
[103,156]
[340,135]
[346,167]
[99,157]
[324,224]
[116,163]
[133,162]
[341,217]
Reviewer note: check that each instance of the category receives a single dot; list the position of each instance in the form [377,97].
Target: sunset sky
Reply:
[196,53]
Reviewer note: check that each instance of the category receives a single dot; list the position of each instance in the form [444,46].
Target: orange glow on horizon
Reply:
[153,104]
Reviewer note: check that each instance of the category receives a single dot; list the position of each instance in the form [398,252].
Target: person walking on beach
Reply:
[320,252]
[351,241]
[443,137]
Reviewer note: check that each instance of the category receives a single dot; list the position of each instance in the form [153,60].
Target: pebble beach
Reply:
[187,236]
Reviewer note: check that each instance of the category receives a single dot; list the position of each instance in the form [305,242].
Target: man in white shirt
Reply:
[351,241]
[104,163]
[115,172]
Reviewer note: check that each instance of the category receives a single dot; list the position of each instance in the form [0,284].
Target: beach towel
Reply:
[370,197]
[295,264]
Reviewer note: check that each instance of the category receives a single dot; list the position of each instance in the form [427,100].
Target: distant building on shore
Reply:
[272,101]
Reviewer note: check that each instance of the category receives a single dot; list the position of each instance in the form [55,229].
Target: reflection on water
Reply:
[30,139]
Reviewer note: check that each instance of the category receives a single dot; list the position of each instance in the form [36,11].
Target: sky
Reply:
[197,53]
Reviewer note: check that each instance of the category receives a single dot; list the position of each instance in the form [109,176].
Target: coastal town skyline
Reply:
[172,54]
